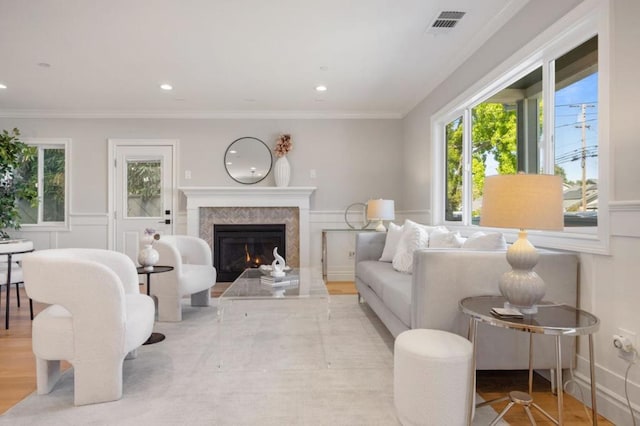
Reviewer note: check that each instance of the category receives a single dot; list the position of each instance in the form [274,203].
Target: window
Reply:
[48,173]
[144,188]
[505,136]
[576,132]
[537,113]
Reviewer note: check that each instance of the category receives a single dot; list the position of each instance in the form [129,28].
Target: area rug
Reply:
[265,363]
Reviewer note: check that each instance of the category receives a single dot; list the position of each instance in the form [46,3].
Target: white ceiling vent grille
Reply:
[446,21]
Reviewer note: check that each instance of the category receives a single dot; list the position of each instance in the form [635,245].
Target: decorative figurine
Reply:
[278,264]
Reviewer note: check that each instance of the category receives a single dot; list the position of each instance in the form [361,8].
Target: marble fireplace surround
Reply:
[207,206]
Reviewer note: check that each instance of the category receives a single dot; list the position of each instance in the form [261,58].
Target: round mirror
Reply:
[248,160]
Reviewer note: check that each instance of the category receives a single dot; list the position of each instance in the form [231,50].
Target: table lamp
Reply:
[380,210]
[523,201]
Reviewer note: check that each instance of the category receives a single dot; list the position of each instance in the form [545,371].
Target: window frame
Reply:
[585,21]
[51,143]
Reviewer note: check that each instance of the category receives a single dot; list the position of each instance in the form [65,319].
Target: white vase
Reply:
[148,257]
[282,171]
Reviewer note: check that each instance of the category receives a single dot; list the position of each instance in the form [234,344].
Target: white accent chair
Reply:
[193,274]
[97,318]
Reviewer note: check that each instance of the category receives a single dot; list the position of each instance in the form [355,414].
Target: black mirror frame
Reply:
[224,160]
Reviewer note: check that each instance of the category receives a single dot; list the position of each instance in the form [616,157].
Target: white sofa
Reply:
[428,298]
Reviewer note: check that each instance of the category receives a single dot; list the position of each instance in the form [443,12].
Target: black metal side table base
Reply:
[154,338]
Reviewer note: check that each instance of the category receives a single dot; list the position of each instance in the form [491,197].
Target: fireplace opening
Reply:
[238,247]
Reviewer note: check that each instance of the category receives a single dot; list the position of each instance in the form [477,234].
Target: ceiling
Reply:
[227,58]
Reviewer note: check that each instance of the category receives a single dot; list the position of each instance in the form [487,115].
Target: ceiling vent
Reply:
[445,22]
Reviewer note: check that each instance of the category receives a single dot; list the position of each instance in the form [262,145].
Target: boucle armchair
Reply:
[97,318]
[193,274]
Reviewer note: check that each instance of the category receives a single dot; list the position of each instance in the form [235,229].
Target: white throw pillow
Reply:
[414,237]
[394,233]
[427,228]
[486,241]
[445,239]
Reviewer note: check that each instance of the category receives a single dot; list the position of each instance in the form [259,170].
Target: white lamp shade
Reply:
[523,201]
[381,209]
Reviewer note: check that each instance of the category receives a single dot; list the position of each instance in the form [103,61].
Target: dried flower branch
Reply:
[283,145]
[151,235]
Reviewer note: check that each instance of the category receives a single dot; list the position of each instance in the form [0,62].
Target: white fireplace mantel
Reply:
[259,196]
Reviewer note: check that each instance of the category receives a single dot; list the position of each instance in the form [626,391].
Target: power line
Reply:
[576,105]
[577,123]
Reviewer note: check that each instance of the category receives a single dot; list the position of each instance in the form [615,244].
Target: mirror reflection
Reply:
[248,160]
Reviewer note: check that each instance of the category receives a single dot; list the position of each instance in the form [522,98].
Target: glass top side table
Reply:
[551,319]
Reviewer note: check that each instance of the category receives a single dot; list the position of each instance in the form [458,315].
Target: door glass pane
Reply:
[576,132]
[144,195]
[53,185]
[505,132]
[453,209]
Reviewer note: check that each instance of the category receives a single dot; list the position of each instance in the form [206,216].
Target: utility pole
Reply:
[582,119]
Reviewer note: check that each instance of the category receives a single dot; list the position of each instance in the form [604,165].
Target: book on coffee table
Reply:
[279,281]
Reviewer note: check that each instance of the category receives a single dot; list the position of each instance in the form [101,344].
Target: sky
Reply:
[569,127]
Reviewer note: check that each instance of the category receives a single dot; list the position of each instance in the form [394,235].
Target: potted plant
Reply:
[15,157]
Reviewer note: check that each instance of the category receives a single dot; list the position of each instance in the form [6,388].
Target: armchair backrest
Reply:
[89,283]
[191,250]
[117,262]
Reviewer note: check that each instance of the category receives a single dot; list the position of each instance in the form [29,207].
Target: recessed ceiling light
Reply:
[229,163]
[2,86]
[166,86]
[233,151]
[321,88]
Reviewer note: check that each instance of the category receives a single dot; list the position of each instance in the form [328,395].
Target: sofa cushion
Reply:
[397,297]
[391,242]
[379,275]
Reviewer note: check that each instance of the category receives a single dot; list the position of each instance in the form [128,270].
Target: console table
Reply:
[324,245]
[551,319]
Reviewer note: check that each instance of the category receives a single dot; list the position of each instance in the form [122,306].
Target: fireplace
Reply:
[237,247]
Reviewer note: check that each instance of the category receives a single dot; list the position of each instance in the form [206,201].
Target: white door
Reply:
[143,194]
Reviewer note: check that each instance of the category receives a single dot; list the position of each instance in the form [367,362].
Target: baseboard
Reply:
[610,398]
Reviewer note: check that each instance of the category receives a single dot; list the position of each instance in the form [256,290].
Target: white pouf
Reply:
[431,377]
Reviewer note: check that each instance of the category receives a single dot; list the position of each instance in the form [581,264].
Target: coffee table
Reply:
[251,302]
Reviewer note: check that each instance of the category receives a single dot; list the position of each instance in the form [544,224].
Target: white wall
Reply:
[609,285]
[354,160]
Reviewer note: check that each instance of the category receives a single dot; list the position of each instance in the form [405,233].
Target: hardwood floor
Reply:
[17,369]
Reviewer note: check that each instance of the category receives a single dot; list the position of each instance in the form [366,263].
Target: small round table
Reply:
[12,248]
[155,337]
[551,319]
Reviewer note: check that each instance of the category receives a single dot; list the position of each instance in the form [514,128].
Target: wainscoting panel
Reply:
[87,230]
[624,217]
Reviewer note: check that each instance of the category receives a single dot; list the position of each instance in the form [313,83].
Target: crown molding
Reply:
[204,115]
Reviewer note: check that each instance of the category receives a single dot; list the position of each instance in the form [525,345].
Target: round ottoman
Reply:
[431,377]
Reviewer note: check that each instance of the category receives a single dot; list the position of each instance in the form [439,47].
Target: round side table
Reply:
[551,319]
[155,337]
